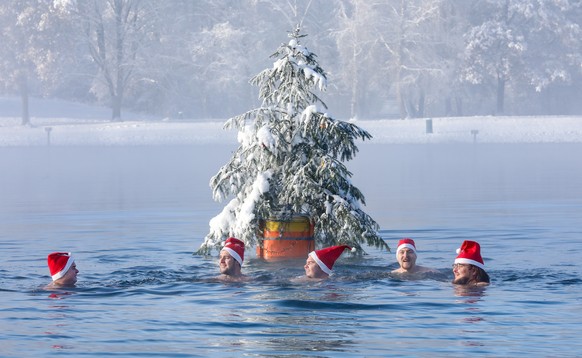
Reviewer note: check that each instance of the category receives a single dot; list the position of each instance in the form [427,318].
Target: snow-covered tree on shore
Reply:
[116,33]
[290,160]
[30,50]
[523,42]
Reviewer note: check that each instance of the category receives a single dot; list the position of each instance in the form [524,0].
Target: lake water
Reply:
[132,216]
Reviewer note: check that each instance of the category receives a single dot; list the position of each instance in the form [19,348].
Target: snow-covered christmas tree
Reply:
[290,160]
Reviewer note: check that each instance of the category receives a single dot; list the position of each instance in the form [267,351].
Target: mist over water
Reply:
[132,216]
[71,178]
[414,182]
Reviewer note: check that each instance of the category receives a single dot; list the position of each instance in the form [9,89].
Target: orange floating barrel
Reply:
[288,238]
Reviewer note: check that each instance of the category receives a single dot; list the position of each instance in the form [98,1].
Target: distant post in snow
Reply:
[48,134]
[474,133]
[429,125]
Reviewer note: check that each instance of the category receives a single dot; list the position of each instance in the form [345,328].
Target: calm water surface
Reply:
[132,216]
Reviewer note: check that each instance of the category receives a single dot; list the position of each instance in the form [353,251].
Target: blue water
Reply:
[133,216]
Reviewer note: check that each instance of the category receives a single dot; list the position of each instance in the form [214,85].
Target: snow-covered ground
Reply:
[62,123]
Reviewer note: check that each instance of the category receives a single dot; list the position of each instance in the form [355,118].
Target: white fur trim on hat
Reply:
[65,269]
[406,246]
[469,261]
[233,254]
[320,263]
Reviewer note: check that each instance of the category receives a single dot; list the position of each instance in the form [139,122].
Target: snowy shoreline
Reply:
[93,132]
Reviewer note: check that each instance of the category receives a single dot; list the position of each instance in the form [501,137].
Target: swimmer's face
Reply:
[70,278]
[406,258]
[462,273]
[312,269]
[227,264]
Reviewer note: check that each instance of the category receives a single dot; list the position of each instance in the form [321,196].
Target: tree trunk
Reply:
[117,96]
[355,76]
[448,107]
[116,108]
[24,99]
[421,104]
[459,105]
[500,95]
[354,99]
[401,102]
[400,62]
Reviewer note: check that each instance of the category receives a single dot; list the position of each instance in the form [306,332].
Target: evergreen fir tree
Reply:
[290,160]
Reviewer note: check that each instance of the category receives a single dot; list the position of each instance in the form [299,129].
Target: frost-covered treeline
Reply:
[385,58]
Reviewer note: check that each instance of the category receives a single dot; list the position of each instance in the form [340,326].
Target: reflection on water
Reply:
[474,293]
[133,216]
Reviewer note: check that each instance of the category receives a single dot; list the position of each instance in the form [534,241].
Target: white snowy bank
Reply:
[76,125]
[71,132]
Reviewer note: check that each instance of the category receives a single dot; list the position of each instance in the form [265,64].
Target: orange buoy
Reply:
[286,238]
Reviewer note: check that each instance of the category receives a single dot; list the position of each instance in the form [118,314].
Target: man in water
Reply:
[406,257]
[469,268]
[319,264]
[231,259]
[63,269]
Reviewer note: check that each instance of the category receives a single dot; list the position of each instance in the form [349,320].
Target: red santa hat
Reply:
[59,263]
[470,253]
[235,248]
[406,243]
[325,258]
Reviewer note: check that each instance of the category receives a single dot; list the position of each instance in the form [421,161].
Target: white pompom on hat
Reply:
[470,253]
[236,249]
[406,243]
[325,258]
[59,263]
